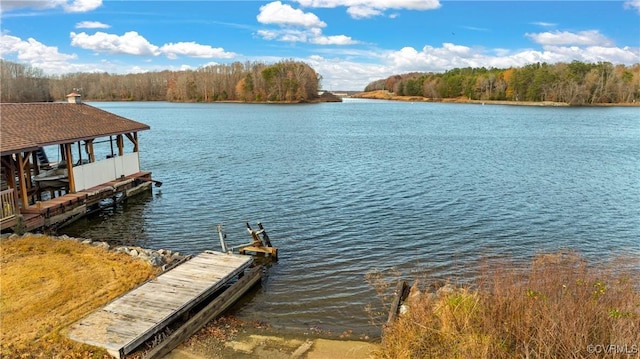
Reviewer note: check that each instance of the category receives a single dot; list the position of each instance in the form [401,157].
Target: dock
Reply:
[56,212]
[137,316]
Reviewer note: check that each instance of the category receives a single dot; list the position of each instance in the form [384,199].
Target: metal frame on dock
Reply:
[261,242]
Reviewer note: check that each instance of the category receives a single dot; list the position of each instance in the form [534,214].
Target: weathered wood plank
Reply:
[131,319]
[212,310]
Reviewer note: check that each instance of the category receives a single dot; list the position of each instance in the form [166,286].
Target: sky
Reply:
[350,43]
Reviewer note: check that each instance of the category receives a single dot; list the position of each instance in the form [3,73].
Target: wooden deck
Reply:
[125,323]
[58,211]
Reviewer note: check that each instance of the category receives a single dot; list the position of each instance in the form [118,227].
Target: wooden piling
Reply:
[401,293]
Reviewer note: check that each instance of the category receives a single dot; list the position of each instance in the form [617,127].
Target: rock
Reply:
[122,249]
[87,241]
[156,261]
[134,253]
[144,256]
[104,245]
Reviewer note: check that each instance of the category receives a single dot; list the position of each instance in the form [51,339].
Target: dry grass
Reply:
[558,307]
[46,284]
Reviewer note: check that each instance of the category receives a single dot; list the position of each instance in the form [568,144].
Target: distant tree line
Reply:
[287,80]
[575,83]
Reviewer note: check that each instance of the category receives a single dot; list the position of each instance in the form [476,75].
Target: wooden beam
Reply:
[133,137]
[89,146]
[72,181]
[27,169]
[212,310]
[36,171]
[120,141]
[402,291]
[23,184]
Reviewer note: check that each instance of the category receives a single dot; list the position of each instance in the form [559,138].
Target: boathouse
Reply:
[62,160]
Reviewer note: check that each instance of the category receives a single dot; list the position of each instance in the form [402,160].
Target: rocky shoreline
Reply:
[163,258]
[223,338]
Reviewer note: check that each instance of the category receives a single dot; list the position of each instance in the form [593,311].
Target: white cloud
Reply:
[359,9]
[288,35]
[296,26]
[544,24]
[81,5]
[582,38]
[131,43]
[632,4]
[269,34]
[341,74]
[363,12]
[68,6]
[283,14]
[193,49]
[313,36]
[450,56]
[333,40]
[91,25]
[34,53]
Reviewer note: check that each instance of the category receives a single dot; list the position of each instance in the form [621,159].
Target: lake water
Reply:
[421,189]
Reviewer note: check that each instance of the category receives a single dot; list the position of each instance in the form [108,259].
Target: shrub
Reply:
[558,306]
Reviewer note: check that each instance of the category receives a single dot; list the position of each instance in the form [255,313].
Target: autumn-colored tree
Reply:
[575,83]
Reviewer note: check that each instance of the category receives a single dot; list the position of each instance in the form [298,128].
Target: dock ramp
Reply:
[130,320]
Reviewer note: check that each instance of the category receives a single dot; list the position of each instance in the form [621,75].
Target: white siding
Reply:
[93,174]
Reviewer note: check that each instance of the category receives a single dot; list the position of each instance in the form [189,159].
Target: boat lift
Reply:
[260,244]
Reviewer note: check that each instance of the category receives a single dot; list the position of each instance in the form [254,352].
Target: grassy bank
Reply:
[46,284]
[386,95]
[557,307]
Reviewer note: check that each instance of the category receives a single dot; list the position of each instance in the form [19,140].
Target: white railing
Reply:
[99,172]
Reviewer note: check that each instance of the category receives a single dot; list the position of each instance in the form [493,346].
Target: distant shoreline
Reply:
[385,95]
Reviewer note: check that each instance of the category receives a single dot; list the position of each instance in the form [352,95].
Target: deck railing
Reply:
[8,208]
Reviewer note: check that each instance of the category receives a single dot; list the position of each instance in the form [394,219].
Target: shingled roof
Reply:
[26,126]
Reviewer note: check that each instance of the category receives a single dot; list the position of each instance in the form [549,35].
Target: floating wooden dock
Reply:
[128,321]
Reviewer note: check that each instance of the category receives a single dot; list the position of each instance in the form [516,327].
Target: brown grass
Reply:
[47,284]
[558,307]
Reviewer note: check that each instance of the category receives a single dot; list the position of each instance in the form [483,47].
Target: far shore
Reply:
[386,95]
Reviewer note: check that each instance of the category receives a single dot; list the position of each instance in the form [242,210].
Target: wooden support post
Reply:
[69,158]
[212,310]
[120,143]
[22,180]
[402,292]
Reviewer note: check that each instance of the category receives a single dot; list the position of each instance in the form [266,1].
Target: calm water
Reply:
[346,188]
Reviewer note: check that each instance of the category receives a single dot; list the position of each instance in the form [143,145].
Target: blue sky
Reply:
[348,42]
